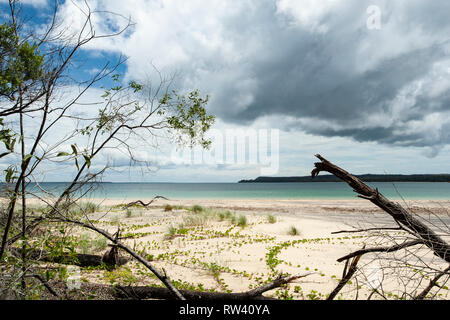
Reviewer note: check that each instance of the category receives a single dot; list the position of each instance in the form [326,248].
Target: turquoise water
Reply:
[318,190]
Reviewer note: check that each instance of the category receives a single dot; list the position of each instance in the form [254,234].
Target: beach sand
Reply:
[207,250]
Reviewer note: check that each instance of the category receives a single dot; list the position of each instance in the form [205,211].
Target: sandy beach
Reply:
[213,248]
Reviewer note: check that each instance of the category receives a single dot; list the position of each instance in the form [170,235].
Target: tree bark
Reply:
[77,259]
[142,203]
[145,292]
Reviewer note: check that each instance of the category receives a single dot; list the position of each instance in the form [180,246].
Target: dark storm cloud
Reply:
[329,76]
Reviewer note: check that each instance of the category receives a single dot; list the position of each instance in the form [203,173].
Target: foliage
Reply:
[190,117]
[271,218]
[20,61]
[293,231]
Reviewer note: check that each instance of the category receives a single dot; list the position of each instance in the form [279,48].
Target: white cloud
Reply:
[244,53]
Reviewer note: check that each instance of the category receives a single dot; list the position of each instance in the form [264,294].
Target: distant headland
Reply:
[364,177]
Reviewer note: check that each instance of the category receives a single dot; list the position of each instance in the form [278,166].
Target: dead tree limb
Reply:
[433,241]
[46,285]
[433,283]
[145,292]
[381,249]
[77,259]
[142,203]
[369,229]
[346,276]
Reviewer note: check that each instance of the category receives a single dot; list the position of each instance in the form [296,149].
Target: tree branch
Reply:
[433,283]
[145,292]
[433,241]
[381,249]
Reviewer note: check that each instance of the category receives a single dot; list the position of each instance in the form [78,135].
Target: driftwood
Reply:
[381,249]
[433,283]
[145,292]
[404,219]
[347,274]
[142,203]
[77,259]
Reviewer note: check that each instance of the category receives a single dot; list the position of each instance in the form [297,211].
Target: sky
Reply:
[366,84]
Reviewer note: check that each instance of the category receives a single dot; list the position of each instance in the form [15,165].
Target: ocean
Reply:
[306,190]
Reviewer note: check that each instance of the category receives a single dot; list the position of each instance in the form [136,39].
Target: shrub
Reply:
[241,221]
[89,207]
[293,231]
[168,207]
[271,218]
[197,209]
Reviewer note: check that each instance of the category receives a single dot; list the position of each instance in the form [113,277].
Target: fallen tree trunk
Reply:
[142,203]
[433,241]
[145,292]
[142,292]
[77,259]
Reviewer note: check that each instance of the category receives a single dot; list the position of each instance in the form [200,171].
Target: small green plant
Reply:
[123,275]
[115,220]
[88,207]
[241,221]
[293,231]
[88,245]
[168,207]
[172,232]
[194,220]
[271,218]
[221,216]
[129,213]
[314,295]
[197,208]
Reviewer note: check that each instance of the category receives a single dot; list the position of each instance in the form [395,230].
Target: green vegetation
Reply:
[197,209]
[293,231]
[241,221]
[168,207]
[122,276]
[87,244]
[173,232]
[21,61]
[271,218]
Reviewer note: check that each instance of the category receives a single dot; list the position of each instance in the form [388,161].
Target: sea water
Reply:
[301,190]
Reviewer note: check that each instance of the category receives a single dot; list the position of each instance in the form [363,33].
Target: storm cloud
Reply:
[316,63]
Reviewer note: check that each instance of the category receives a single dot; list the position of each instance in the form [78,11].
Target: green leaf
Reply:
[87,159]
[74,149]
[62,154]
[9,174]
[27,158]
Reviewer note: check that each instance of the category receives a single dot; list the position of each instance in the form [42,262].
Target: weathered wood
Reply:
[145,292]
[142,203]
[346,276]
[433,241]
[381,249]
[432,283]
[77,259]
